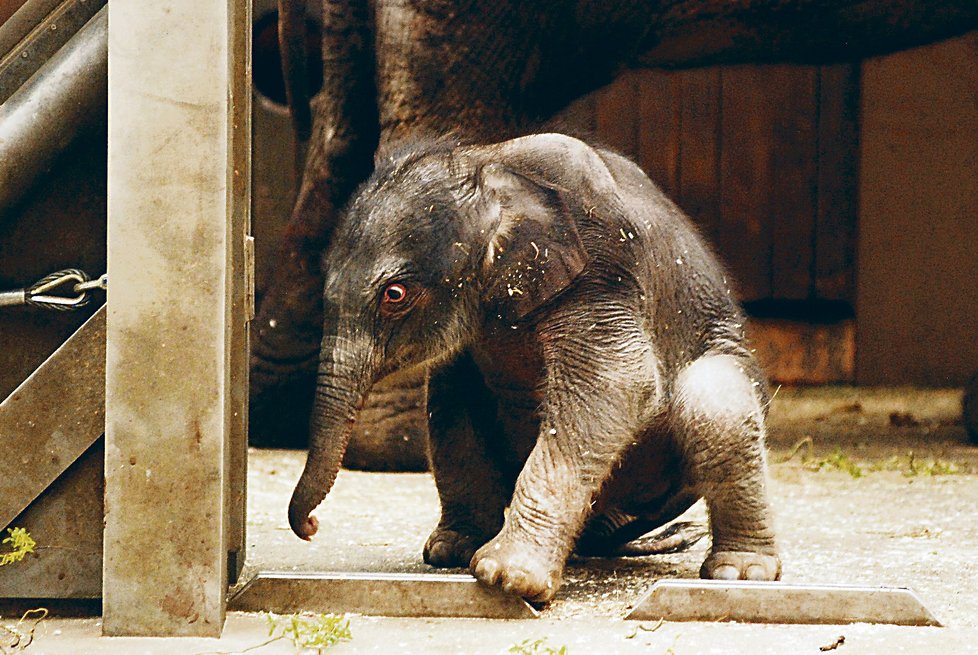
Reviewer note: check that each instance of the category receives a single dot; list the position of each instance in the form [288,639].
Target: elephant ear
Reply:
[534,251]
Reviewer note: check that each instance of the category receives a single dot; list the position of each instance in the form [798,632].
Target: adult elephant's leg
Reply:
[287,331]
[426,88]
[971,408]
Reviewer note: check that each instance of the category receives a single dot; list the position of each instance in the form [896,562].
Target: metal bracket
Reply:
[381,594]
[778,602]
[249,272]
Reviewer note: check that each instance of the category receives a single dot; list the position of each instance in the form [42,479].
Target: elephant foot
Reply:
[392,431]
[741,565]
[518,569]
[971,408]
[448,548]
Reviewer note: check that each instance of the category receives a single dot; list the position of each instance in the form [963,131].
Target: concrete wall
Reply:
[917,298]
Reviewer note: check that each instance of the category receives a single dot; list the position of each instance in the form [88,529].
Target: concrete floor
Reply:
[903,522]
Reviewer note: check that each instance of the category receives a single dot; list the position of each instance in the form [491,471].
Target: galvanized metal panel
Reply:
[381,594]
[778,602]
[66,523]
[172,238]
[52,418]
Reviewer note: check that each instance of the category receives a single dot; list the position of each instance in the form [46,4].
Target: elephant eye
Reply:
[394,293]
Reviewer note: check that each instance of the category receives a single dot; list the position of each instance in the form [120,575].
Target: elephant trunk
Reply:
[341,388]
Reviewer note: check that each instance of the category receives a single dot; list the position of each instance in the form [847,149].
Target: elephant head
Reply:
[438,242]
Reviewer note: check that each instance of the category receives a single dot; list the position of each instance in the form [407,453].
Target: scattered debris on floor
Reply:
[903,420]
[537,647]
[645,628]
[910,464]
[16,638]
[310,632]
[849,408]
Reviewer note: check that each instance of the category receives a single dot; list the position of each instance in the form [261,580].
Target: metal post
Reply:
[175,224]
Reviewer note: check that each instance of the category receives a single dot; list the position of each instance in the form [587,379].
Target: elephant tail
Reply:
[615,533]
[674,538]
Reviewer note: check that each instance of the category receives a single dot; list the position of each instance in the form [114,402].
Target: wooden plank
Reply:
[658,128]
[616,114]
[802,352]
[745,235]
[699,134]
[791,94]
[9,8]
[838,180]
[917,297]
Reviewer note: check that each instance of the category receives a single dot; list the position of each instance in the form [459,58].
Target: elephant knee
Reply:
[718,423]
[716,390]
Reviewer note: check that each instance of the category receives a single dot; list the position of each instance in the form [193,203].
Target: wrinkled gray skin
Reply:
[588,363]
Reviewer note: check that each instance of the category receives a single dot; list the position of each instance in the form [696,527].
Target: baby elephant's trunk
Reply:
[341,388]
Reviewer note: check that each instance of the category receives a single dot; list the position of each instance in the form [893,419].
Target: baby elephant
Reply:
[588,367]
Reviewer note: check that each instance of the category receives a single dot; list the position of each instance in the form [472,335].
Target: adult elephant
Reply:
[488,70]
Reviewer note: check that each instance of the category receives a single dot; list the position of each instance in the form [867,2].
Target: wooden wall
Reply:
[917,304]
[762,157]
[790,169]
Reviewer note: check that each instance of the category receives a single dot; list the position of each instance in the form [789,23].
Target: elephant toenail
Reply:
[487,570]
[756,572]
[726,572]
[515,583]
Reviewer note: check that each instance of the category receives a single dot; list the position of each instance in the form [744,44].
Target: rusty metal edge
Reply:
[240,309]
[768,602]
[430,595]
